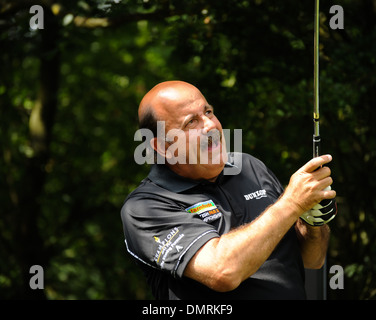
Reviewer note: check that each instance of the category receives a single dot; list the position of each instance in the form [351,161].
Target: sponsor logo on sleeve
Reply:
[167,245]
[207,210]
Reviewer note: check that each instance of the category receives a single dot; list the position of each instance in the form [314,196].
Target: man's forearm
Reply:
[313,244]
[238,254]
[261,237]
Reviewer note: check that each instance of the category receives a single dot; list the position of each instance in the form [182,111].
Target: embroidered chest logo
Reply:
[256,195]
[207,210]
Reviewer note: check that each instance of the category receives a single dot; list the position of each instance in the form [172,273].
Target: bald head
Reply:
[166,97]
[187,119]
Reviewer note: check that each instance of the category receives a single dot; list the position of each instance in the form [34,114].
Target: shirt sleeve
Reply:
[161,234]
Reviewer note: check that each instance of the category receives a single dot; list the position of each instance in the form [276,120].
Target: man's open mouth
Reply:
[211,140]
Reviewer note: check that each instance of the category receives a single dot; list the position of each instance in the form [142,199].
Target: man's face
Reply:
[195,146]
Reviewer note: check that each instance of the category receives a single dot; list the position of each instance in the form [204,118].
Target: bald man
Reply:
[181,106]
[200,234]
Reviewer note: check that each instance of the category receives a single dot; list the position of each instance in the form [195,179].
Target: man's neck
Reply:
[195,172]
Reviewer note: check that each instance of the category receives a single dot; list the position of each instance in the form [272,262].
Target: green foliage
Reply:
[65,173]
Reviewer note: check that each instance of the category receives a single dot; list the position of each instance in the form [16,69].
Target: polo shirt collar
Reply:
[163,176]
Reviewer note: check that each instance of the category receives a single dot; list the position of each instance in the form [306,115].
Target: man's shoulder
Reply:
[147,195]
[146,187]
[245,160]
[252,168]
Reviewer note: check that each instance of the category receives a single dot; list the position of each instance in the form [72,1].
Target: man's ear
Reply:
[159,146]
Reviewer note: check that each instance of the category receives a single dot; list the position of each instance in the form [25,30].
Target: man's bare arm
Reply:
[224,262]
[313,244]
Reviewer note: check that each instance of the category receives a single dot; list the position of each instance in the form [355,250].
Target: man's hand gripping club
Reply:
[310,192]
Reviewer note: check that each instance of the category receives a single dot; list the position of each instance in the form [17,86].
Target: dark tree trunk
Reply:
[30,246]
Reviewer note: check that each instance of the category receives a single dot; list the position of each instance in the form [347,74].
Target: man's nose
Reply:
[208,125]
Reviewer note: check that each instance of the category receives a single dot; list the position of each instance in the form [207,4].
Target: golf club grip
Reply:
[316,146]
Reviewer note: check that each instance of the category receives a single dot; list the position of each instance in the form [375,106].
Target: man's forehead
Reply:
[165,93]
[172,101]
[178,103]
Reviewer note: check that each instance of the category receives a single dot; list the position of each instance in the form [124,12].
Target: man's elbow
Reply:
[225,280]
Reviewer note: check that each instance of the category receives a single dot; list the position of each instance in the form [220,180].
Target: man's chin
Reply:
[214,163]
[212,171]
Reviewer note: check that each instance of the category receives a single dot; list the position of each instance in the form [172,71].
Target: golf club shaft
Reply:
[316,111]
[316,115]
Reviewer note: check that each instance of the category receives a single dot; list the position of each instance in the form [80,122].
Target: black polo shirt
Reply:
[168,218]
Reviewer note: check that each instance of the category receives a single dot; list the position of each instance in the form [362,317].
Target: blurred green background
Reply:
[68,114]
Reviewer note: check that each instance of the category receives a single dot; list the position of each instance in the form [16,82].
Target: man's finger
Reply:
[329,194]
[315,163]
[322,173]
[325,183]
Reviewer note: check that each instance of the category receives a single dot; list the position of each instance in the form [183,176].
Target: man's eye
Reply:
[191,122]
